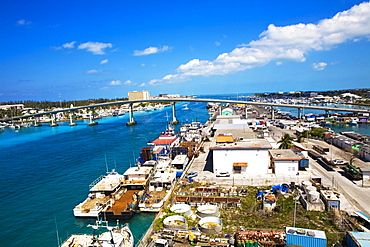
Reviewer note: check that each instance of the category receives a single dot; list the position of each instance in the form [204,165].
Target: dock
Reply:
[122,207]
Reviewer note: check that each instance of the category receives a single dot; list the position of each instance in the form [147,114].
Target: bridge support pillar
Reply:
[327,112]
[36,119]
[272,113]
[92,113]
[71,117]
[53,124]
[174,119]
[299,113]
[131,116]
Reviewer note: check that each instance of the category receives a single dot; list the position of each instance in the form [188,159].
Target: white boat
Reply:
[353,121]
[99,197]
[160,186]
[115,236]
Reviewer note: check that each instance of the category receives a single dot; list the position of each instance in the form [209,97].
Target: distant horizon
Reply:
[196,95]
[78,50]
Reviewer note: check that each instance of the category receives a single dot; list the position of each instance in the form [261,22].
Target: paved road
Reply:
[357,195]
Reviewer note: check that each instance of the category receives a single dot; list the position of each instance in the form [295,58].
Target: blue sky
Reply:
[71,50]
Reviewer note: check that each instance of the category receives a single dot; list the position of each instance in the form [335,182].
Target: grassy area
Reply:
[250,216]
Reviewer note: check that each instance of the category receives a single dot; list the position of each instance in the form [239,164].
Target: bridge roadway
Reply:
[177,100]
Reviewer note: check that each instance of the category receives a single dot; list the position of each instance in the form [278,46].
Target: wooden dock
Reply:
[122,206]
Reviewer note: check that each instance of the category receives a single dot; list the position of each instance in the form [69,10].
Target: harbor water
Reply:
[46,171]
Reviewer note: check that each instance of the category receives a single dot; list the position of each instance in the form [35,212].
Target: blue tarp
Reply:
[281,187]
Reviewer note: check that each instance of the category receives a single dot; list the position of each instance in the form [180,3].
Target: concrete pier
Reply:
[131,116]
[299,113]
[53,124]
[272,113]
[71,117]
[92,122]
[174,119]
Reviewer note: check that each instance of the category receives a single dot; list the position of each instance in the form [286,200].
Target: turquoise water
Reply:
[46,171]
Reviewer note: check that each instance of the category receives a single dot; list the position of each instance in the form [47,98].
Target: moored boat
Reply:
[160,186]
[115,236]
[101,191]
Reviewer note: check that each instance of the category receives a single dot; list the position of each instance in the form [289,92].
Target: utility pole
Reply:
[295,211]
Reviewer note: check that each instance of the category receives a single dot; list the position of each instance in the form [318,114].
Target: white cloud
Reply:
[94,71]
[207,68]
[128,82]
[95,47]
[115,83]
[217,43]
[154,82]
[23,22]
[291,42]
[142,84]
[151,50]
[319,66]
[279,63]
[69,45]
[104,61]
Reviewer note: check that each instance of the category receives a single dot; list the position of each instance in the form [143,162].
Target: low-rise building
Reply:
[284,161]
[234,152]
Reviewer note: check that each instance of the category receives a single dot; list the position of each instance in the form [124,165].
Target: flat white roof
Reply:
[305,232]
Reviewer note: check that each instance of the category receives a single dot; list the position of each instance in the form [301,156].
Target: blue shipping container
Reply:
[303,163]
[358,239]
[305,237]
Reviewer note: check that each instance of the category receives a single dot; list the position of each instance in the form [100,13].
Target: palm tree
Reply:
[285,142]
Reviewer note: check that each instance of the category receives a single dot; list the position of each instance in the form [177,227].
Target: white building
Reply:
[143,95]
[284,161]
[235,152]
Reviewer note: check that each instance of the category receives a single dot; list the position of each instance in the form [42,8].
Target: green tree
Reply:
[304,134]
[318,132]
[285,142]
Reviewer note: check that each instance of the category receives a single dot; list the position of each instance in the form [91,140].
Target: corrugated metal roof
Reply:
[362,238]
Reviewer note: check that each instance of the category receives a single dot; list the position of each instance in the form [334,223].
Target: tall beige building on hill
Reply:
[143,95]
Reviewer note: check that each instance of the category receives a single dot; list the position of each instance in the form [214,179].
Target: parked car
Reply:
[223,174]
[338,162]
[191,175]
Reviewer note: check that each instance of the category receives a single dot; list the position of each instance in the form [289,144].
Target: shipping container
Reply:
[305,237]
[358,239]
[303,163]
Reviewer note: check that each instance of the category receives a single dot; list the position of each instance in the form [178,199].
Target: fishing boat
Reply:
[115,236]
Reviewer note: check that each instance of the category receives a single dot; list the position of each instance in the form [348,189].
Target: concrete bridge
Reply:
[173,101]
